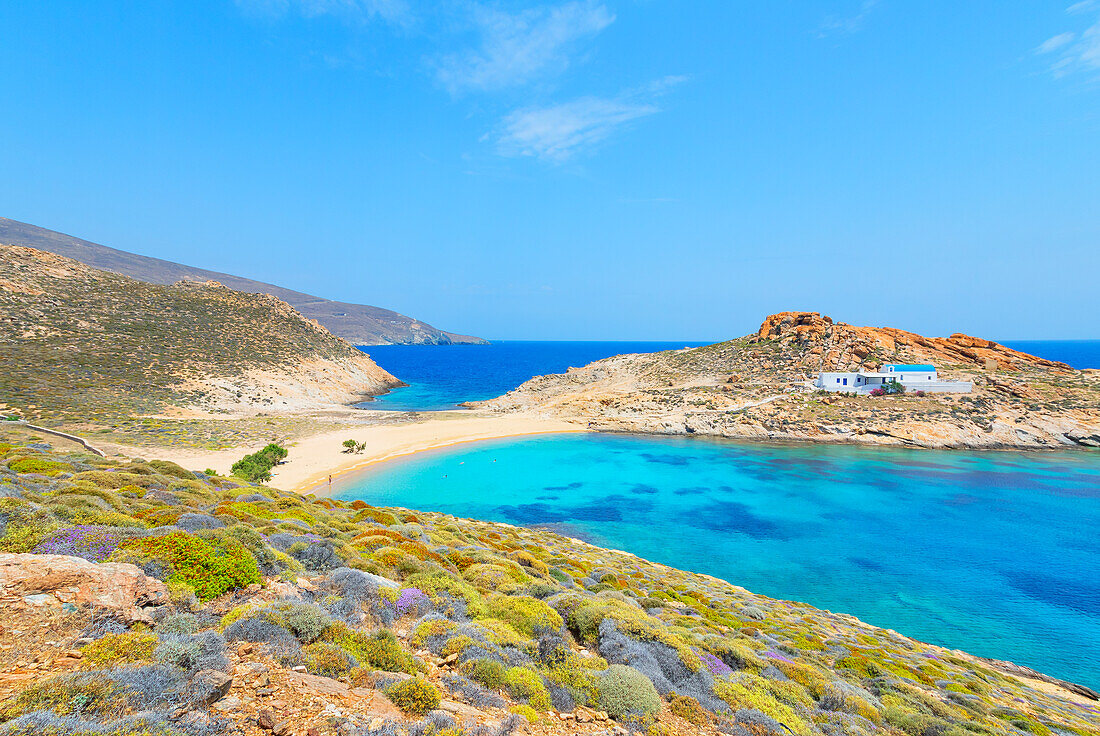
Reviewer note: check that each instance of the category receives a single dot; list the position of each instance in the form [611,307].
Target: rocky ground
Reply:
[756,387]
[138,598]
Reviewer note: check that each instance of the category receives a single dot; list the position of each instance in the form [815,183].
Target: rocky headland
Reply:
[757,387]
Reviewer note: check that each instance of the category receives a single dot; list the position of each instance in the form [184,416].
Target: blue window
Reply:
[838,380]
[845,381]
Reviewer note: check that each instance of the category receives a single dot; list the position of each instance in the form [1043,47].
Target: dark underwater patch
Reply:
[692,490]
[568,487]
[608,508]
[1077,595]
[866,564]
[642,489]
[732,517]
[547,498]
[664,459]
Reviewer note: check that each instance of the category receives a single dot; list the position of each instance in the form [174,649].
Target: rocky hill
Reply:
[359,324]
[140,599]
[755,387]
[87,346]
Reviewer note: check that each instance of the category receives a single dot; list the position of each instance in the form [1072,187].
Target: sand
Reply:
[312,459]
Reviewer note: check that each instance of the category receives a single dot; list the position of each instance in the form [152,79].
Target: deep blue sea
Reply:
[442,377]
[996,553]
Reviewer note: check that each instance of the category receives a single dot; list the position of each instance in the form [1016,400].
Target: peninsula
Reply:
[762,386]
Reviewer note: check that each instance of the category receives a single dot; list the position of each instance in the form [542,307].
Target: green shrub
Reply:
[688,708]
[39,466]
[526,615]
[210,570]
[112,649]
[82,693]
[327,660]
[166,467]
[256,468]
[750,691]
[415,696]
[488,672]
[530,714]
[624,691]
[527,686]
[380,650]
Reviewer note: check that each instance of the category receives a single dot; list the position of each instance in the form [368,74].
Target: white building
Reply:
[914,377]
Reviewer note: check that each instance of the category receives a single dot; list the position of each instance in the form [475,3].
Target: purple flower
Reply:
[776,655]
[410,599]
[94,543]
[717,667]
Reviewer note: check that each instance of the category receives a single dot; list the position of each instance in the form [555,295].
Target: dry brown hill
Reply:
[359,324]
[85,345]
[756,387]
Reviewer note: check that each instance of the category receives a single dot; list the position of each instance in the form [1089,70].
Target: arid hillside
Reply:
[757,387]
[88,346]
[359,324]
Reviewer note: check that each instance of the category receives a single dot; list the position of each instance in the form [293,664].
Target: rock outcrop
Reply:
[61,580]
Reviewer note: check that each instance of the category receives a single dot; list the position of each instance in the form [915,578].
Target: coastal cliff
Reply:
[757,387]
[86,346]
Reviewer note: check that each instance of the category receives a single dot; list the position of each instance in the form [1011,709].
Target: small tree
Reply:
[350,445]
[360,446]
[895,387]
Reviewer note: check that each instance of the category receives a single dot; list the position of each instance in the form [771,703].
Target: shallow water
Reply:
[994,553]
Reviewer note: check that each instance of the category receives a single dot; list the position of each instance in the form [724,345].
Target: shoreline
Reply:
[314,458]
[317,485]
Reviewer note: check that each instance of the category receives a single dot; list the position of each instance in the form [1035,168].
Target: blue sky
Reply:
[615,169]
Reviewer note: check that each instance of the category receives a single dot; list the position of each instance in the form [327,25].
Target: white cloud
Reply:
[393,11]
[834,25]
[1055,43]
[1081,7]
[1076,53]
[516,47]
[559,132]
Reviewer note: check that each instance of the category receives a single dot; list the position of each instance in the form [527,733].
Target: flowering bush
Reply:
[211,569]
[411,600]
[878,392]
[717,667]
[92,542]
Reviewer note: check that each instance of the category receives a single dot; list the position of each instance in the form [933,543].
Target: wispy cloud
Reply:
[1074,52]
[393,11]
[842,25]
[517,47]
[559,132]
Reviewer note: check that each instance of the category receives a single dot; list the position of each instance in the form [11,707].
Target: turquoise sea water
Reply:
[996,553]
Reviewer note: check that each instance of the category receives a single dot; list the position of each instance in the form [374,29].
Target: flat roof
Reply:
[910,366]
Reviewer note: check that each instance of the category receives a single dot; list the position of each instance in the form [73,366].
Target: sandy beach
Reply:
[313,459]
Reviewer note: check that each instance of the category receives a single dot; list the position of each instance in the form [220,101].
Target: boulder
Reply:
[210,686]
[118,587]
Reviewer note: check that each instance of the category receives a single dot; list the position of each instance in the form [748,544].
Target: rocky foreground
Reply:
[756,387]
[139,598]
